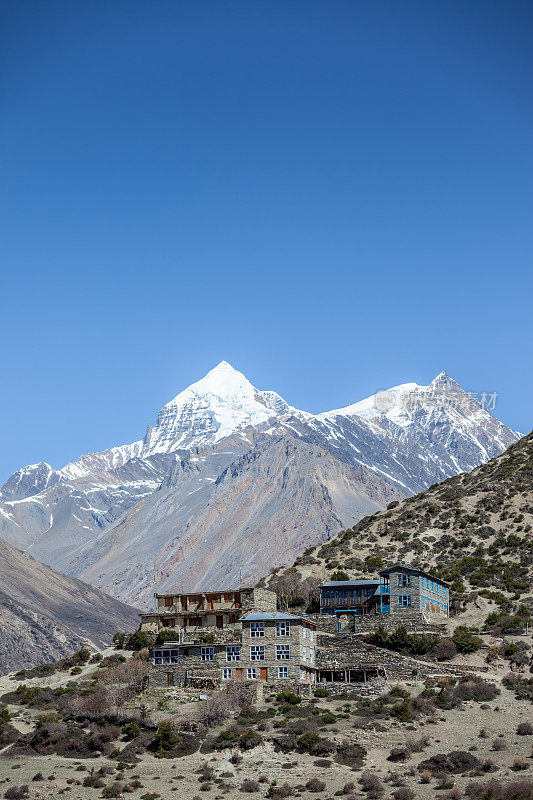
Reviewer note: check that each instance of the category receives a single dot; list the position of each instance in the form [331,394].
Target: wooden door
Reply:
[170,679]
[220,621]
[263,673]
[238,673]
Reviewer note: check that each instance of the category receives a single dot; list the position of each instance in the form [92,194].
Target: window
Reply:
[311,634]
[283,652]
[311,655]
[233,652]
[257,652]
[283,672]
[257,629]
[304,630]
[251,673]
[227,673]
[403,579]
[283,628]
[169,601]
[165,657]
[304,653]
[404,600]
[207,653]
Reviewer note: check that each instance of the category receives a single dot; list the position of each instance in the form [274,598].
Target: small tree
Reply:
[165,739]
[138,640]
[166,635]
[340,575]
[465,641]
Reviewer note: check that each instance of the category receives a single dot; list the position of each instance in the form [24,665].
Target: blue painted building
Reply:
[400,589]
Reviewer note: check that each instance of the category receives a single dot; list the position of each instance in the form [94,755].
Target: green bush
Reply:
[340,575]
[138,640]
[286,696]
[465,640]
[5,716]
[131,730]
[166,635]
[165,739]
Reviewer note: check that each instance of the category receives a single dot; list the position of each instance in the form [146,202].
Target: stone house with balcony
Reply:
[195,612]
[278,649]
[401,593]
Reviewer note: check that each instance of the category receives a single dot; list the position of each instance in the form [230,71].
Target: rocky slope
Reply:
[473,529]
[232,480]
[44,616]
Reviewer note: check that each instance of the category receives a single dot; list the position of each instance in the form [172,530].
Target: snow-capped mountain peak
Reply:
[223,381]
[218,405]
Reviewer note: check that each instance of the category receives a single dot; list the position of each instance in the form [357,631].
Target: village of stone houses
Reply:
[385,663]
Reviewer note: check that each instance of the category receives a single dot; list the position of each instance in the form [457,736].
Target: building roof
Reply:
[408,568]
[263,616]
[199,593]
[367,582]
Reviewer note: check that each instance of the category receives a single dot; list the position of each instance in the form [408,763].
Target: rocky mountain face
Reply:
[232,480]
[45,616]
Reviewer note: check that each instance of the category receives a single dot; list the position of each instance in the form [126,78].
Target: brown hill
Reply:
[44,616]
[473,530]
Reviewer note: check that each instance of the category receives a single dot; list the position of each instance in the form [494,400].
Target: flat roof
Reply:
[199,593]
[260,616]
[369,582]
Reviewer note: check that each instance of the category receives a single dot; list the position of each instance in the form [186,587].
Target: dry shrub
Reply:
[459,762]
[371,784]
[495,790]
[125,680]
[279,792]
[113,790]
[475,688]
[315,785]
[499,744]
[395,779]
[524,729]
[455,793]
[519,764]
[16,792]
[350,755]
[399,754]
[249,785]
[404,793]
[417,745]
[425,776]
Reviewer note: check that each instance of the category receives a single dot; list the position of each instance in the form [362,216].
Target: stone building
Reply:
[200,611]
[400,591]
[269,646]
[404,588]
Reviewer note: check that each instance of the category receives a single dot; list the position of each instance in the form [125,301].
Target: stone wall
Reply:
[191,664]
[262,600]
[414,621]
[345,651]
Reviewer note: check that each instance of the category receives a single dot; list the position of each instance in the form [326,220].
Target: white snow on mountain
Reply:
[231,458]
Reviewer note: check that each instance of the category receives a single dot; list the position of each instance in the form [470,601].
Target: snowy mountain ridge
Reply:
[228,462]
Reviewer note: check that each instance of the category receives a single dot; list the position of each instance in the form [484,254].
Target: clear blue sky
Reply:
[335,197]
